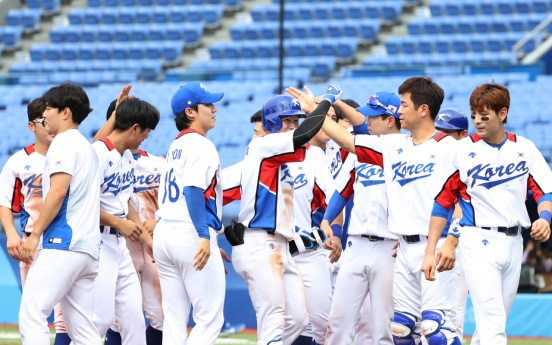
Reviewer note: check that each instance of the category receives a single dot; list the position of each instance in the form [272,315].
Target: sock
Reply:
[113,338]
[153,336]
[62,339]
[302,340]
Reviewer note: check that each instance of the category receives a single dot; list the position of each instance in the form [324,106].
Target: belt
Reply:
[374,238]
[112,231]
[28,234]
[511,231]
[413,238]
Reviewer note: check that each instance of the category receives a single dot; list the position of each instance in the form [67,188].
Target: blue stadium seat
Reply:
[465,25]
[89,34]
[408,46]
[92,16]
[494,44]
[328,47]
[13,18]
[392,46]
[323,12]
[540,6]
[522,7]
[442,46]
[122,34]
[335,28]
[106,33]
[87,52]
[436,9]
[415,27]
[453,9]
[109,16]
[76,16]
[487,8]
[52,53]
[11,37]
[172,51]
[340,11]
[30,19]
[137,51]
[460,45]
[111,3]
[518,24]
[482,26]
[51,6]
[103,51]
[263,31]
[431,28]
[369,30]
[57,34]
[505,7]
[301,30]
[425,45]
[157,32]
[126,15]
[306,12]
[477,44]
[469,8]
[500,26]
[248,50]
[120,51]
[319,30]
[69,52]
[144,15]
[357,10]
[448,26]
[178,14]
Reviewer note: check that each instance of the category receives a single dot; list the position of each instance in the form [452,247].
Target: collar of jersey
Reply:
[188,131]
[498,146]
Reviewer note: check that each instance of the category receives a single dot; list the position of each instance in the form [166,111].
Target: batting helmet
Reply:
[277,106]
[452,119]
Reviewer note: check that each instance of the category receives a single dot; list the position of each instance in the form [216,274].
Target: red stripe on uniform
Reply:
[230,195]
[439,136]
[188,131]
[268,173]
[108,143]
[17,198]
[29,149]
[348,191]
[475,138]
[210,191]
[535,188]
[512,137]
[318,199]
[448,196]
[369,156]
[344,153]
[143,153]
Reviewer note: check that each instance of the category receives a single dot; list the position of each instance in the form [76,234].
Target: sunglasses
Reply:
[374,103]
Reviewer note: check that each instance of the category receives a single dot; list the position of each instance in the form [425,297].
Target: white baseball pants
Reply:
[367,268]
[182,285]
[461,297]
[275,286]
[315,268]
[492,265]
[363,332]
[413,293]
[117,293]
[60,276]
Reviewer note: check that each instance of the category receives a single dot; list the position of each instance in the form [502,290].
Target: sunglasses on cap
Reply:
[374,103]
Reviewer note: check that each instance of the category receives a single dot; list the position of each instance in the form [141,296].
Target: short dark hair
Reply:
[110,109]
[423,90]
[492,96]
[182,121]
[135,111]
[256,117]
[69,95]
[397,121]
[339,113]
[36,109]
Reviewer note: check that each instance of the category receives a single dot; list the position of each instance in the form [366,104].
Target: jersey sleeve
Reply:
[540,176]
[278,147]
[101,152]
[445,185]
[231,181]
[324,187]
[345,180]
[369,149]
[62,157]
[201,165]
[10,188]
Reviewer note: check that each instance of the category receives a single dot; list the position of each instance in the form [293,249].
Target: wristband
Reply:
[546,215]
[337,230]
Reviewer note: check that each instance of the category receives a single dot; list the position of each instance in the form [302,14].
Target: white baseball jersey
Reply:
[367,183]
[313,187]
[147,177]
[192,161]
[117,173]
[491,184]
[267,184]
[75,227]
[21,185]
[408,168]
[335,157]
[231,183]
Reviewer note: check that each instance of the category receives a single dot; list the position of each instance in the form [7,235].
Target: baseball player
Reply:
[147,175]
[21,192]
[66,230]
[261,253]
[408,161]
[368,261]
[489,174]
[455,124]
[190,208]
[117,290]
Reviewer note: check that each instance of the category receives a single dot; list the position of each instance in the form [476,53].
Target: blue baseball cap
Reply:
[191,94]
[382,103]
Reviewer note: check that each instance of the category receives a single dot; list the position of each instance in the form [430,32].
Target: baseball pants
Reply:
[117,293]
[413,293]
[60,276]
[315,268]
[149,282]
[363,332]
[275,286]
[366,269]
[174,246]
[492,265]
[461,297]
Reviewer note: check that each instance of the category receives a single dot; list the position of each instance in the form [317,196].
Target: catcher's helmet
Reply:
[277,106]
[452,119]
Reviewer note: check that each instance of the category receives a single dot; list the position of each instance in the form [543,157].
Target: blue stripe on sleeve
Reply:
[361,129]
[336,205]
[545,197]
[439,211]
[195,201]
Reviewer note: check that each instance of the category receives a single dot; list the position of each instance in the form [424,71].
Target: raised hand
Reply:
[306,99]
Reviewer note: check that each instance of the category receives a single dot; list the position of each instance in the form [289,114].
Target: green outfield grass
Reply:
[9,335]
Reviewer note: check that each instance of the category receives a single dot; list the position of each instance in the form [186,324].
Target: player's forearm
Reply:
[311,125]
[355,117]
[6,218]
[545,210]
[50,209]
[106,129]
[340,135]
[107,219]
[436,227]
[457,211]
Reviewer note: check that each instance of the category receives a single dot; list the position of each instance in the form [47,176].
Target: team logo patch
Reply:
[505,172]
[54,240]
[110,163]
[392,109]
[296,102]
[203,87]
[405,173]
[272,246]
[332,148]
[399,151]
[350,243]
[432,157]
[27,167]
[58,163]
[472,154]
[155,169]
[521,154]
[485,242]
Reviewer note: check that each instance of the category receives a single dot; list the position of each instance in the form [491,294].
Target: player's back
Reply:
[267,185]
[147,177]
[21,185]
[75,227]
